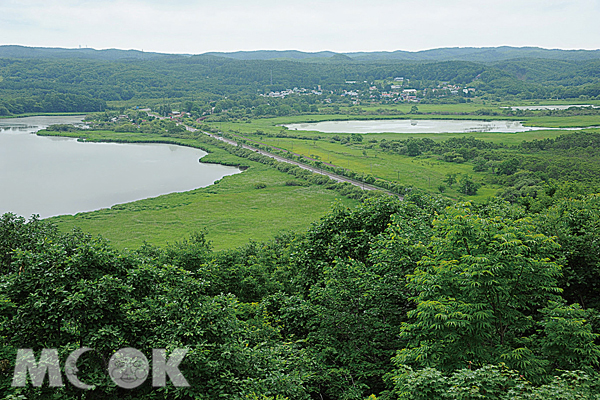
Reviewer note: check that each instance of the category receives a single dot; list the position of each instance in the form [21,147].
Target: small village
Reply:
[398,90]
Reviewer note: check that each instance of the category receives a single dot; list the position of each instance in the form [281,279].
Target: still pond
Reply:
[413,126]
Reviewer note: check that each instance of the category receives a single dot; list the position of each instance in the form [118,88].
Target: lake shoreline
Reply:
[50,175]
[65,114]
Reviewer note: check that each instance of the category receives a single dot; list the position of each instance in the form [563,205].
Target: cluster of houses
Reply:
[445,88]
[120,118]
[398,91]
[396,94]
[178,116]
[295,90]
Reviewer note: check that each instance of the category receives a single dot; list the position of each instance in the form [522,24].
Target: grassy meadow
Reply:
[421,172]
[424,172]
[233,211]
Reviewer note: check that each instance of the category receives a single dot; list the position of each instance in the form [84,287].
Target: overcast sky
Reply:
[199,26]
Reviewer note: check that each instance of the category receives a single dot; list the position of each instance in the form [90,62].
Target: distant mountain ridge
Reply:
[479,54]
[473,54]
[14,51]
[273,55]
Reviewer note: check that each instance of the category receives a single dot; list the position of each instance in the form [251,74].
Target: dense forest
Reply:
[30,85]
[413,299]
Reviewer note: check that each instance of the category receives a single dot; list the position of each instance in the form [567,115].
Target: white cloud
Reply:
[188,26]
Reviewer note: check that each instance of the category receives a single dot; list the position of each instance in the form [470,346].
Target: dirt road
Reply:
[336,177]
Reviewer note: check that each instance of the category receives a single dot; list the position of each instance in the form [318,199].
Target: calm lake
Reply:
[53,176]
[413,126]
[557,107]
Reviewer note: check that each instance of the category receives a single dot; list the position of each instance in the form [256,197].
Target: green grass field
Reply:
[232,211]
[426,173]
[273,125]
[505,138]
[565,122]
[421,172]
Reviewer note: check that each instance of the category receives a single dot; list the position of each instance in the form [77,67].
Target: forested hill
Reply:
[480,54]
[475,54]
[83,80]
[13,51]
